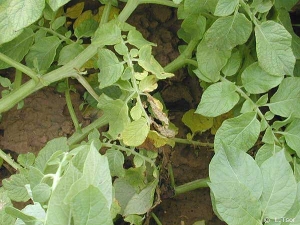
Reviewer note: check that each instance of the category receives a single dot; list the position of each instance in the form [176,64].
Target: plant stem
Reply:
[87,86]
[156,219]
[171,175]
[191,142]
[250,14]
[196,184]
[128,9]
[19,66]
[70,107]
[106,12]
[160,2]
[181,60]
[49,30]
[58,173]
[7,158]
[80,135]
[68,70]
[18,79]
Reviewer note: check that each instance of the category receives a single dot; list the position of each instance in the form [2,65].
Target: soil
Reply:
[44,117]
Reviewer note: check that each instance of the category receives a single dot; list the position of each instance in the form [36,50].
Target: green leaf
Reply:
[107,34]
[5,202]
[36,211]
[210,61]
[225,7]
[136,112]
[58,212]
[230,165]
[134,219]
[110,68]
[286,100]
[116,112]
[123,192]
[140,127]
[227,32]
[217,99]
[57,144]
[17,48]
[136,39]
[69,52]
[280,187]
[262,6]
[41,192]
[233,64]
[265,152]
[56,4]
[148,84]
[285,4]
[240,132]
[196,6]
[273,46]
[115,161]
[16,15]
[43,52]
[95,172]
[140,203]
[26,160]
[257,81]
[197,123]
[58,22]
[194,26]
[86,29]
[291,135]
[89,207]
[15,187]
[148,62]
[236,204]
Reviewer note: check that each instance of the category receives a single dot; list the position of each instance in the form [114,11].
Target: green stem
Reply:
[128,9]
[49,30]
[18,79]
[196,184]
[87,86]
[181,60]
[83,133]
[250,14]
[160,2]
[70,107]
[19,66]
[129,150]
[58,173]
[7,158]
[68,70]
[106,12]
[156,219]
[191,142]
[171,175]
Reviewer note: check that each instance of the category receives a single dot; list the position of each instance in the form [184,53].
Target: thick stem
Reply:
[191,186]
[160,2]
[182,59]
[106,12]
[191,142]
[80,135]
[18,79]
[128,9]
[69,70]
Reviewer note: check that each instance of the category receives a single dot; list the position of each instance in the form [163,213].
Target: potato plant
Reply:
[246,57]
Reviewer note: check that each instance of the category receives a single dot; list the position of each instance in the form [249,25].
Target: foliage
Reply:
[246,57]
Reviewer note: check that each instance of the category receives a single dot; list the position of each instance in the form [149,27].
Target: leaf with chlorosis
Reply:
[135,133]
[273,46]
[227,32]
[239,132]
[286,101]
[225,7]
[217,121]
[74,11]
[280,186]
[217,99]
[196,122]
[257,81]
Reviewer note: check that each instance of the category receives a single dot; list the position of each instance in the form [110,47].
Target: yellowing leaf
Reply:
[114,11]
[158,140]
[136,132]
[197,122]
[74,11]
[217,121]
[86,15]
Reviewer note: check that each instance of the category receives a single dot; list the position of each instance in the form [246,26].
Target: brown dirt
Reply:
[43,118]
